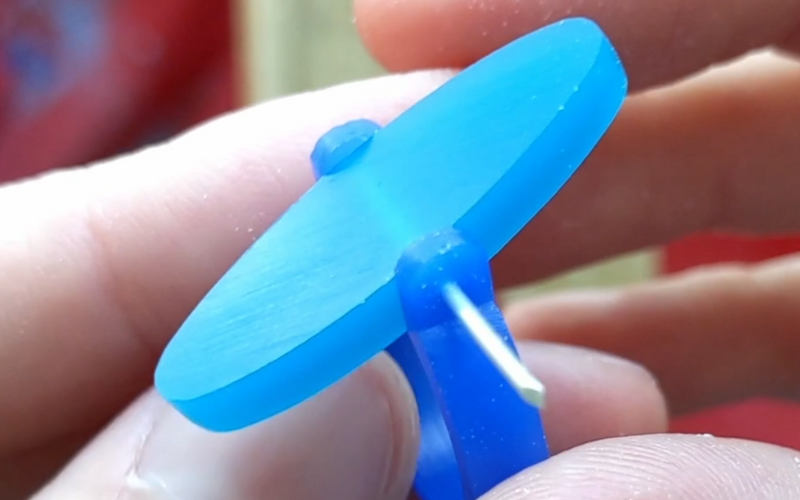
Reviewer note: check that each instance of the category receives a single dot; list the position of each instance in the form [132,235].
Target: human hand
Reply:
[718,152]
[101,265]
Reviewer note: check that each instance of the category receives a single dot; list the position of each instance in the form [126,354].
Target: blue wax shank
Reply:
[476,430]
[315,296]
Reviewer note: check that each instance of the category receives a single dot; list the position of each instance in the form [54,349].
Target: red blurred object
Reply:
[710,249]
[84,79]
[769,421]
[762,420]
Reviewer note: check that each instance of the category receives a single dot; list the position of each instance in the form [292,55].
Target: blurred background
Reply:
[81,80]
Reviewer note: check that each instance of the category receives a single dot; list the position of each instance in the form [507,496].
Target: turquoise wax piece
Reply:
[315,296]
[476,430]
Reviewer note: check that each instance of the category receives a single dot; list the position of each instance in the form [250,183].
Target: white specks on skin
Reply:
[522,491]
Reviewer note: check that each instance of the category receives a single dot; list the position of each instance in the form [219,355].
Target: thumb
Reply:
[357,440]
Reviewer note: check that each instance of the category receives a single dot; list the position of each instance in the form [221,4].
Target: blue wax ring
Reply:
[315,297]
[476,430]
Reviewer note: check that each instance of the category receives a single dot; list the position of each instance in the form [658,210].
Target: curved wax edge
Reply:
[314,297]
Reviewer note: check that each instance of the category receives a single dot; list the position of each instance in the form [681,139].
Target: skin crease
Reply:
[101,264]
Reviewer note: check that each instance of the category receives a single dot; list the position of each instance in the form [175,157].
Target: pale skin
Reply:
[99,266]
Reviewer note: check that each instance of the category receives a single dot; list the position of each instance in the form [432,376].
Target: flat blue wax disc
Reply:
[315,296]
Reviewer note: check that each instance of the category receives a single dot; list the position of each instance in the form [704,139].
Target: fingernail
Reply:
[353,441]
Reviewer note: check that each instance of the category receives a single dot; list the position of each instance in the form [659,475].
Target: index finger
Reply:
[99,266]
[658,41]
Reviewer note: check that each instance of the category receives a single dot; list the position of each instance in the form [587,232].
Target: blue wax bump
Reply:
[340,143]
[476,430]
[314,297]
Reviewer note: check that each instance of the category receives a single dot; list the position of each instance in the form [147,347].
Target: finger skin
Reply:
[101,265]
[591,395]
[333,440]
[661,467]
[714,153]
[658,41]
[356,440]
[721,335]
[23,474]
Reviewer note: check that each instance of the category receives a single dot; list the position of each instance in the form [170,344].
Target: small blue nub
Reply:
[338,144]
[476,430]
[431,263]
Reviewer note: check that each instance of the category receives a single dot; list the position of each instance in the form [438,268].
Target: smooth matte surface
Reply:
[314,297]
[476,430]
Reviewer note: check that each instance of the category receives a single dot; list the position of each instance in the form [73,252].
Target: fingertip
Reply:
[592,395]
[658,41]
[386,29]
[419,34]
[658,467]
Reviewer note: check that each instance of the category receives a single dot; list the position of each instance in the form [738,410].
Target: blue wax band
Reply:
[316,296]
[476,430]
